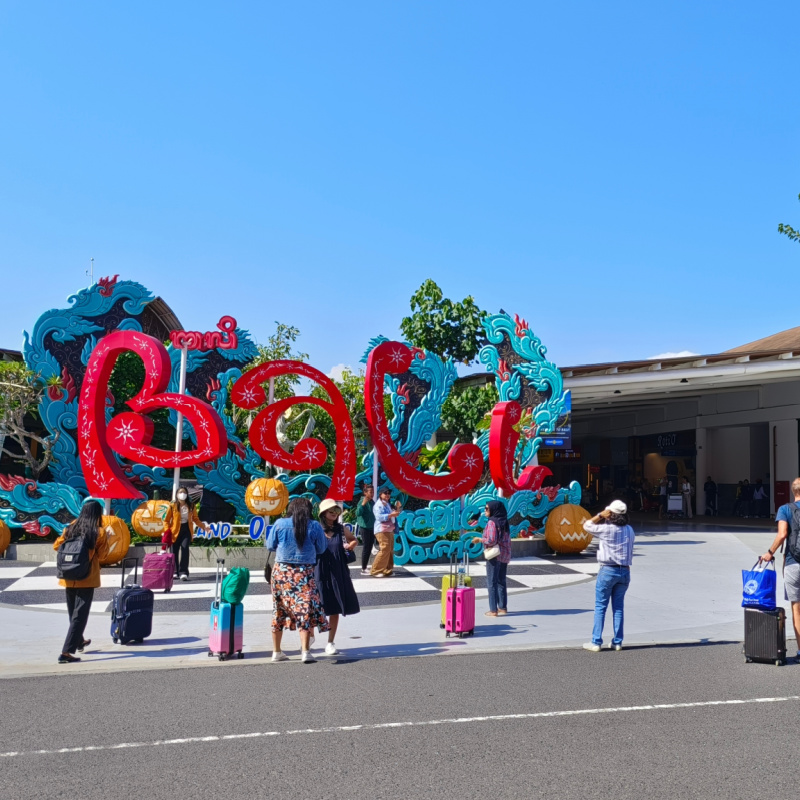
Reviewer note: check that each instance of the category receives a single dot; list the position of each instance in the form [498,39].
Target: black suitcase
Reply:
[765,636]
[132,610]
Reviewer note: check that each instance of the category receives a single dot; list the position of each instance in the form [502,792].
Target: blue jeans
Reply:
[496,583]
[612,583]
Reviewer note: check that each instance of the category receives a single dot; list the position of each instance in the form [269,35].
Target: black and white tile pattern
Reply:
[36,585]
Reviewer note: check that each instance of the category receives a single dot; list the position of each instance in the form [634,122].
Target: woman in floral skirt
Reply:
[297,540]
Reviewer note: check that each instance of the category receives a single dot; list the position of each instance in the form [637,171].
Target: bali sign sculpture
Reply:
[112,456]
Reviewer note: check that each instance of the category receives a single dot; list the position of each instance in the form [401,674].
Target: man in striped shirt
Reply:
[614,554]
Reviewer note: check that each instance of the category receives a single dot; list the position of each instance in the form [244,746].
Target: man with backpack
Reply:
[788,519]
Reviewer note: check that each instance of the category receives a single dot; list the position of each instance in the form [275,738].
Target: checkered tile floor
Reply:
[36,586]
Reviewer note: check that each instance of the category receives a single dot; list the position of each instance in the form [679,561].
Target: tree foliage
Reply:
[788,230]
[351,387]
[465,408]
[126,381]
[280,345]
[21,391]
[446,328]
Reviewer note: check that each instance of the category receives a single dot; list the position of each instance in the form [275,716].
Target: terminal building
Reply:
[732,416]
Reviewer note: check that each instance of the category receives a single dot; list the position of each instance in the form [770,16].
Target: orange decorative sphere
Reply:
[267,497]
[148,518]
[5,537]
[118,537]
[563,530]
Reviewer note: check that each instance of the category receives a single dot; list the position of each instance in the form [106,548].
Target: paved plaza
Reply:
[686,587]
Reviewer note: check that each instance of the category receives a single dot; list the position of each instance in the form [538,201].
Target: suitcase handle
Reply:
[218,582]
[135,570]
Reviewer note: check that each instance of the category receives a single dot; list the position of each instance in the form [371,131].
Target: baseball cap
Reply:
[617,507]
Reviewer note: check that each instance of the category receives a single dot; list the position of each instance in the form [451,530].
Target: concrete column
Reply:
[784,455]
[701,469]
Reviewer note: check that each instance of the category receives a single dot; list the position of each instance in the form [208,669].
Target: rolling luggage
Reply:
[158,571]
[765,635]
[132,610]
[459,600]
[226,623]
[448,581]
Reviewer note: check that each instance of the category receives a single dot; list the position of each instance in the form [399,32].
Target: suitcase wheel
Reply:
[748,660]
[210,654]
[138,641]
[779,663]
[168,590]
[240,655]
[222,656]
[441,625]
[115,640]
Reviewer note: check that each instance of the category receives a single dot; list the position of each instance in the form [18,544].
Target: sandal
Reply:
[490,614]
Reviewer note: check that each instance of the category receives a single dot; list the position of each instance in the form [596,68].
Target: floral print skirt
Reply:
[296,601]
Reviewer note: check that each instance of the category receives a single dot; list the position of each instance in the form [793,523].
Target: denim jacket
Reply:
[281,538]
[382,511]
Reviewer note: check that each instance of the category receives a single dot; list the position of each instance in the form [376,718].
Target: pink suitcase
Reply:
[459,615]
[158,571]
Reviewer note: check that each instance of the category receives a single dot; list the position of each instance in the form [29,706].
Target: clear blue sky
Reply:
[613,172]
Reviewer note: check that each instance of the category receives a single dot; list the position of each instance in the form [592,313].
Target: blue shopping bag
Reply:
[759,585]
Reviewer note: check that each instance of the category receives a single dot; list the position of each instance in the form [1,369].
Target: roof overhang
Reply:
[689,378]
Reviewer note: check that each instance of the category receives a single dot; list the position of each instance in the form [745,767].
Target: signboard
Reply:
[562,438]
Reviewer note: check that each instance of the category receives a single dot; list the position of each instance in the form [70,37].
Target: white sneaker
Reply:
[307,658]
[365,572]
[278,655]
[615,647]
[184,578]
[593,648]
[379,575]
[330,649]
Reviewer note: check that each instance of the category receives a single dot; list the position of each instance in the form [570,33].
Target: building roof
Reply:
[785,340]
[619,381]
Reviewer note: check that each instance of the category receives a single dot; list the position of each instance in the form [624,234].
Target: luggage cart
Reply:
[674,506]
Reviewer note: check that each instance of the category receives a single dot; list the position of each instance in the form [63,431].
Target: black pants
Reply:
[180,549]
[367,541]
[79,602]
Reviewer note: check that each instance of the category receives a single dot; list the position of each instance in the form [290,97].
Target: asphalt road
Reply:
[729,750]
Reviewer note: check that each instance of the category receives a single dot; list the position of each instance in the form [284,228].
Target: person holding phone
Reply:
[496,534]
[385,527]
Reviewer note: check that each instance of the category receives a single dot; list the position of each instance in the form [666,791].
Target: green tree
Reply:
[351,387]
[126,381]
[280,345]
[788,230]
[465,408]
[448,329]
[21,391]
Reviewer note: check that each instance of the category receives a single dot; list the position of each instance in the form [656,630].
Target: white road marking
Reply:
[407,724]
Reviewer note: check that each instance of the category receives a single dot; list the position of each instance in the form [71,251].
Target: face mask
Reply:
[181,495]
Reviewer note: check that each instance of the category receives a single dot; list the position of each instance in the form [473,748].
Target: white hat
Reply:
[617,507]
[327,504]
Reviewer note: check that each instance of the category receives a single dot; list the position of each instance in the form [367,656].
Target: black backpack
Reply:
[793,539]
[74,560]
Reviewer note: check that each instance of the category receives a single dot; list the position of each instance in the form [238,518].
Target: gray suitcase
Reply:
[765,636]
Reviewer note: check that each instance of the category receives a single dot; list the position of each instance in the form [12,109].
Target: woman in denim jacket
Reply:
[296,604]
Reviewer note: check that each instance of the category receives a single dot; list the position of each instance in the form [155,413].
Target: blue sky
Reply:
[615,173]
